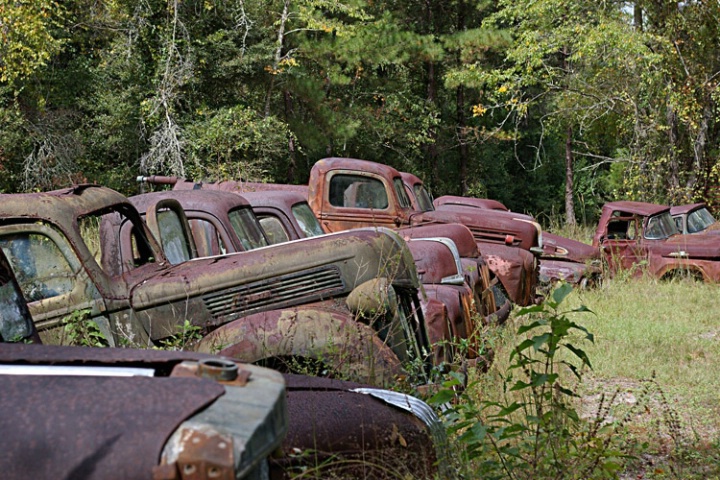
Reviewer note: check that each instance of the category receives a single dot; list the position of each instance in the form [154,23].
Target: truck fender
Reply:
[348,348]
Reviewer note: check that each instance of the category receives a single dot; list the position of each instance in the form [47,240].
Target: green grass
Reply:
[657,355]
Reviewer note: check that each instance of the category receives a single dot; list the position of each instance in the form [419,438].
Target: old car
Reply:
[125,284]
[561,258]
[694,218]
[455,290]
[347,193]
[643,237]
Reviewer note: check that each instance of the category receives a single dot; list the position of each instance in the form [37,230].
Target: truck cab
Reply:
[635,234]
[349,193]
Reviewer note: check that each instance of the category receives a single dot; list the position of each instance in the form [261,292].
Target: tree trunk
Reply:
[431,155]
[292,166]
[569,201]
[637,17]
[461,131]
[461,118]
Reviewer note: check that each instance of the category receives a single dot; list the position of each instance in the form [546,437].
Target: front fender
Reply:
[351,349]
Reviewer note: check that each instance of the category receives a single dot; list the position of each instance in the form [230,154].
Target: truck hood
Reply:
[487,225]
[288,274]
[98,425]
[555,246]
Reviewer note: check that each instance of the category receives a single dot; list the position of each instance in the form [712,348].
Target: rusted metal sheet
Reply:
[552,271]
[326,335]
[138,414]
[477,202]
[378,441]
[124,413]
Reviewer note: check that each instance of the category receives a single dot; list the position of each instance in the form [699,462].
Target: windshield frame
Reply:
[660,226]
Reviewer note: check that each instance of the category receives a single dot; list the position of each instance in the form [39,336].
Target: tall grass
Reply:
[655,359]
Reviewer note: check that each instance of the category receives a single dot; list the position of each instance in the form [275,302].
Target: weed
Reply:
[80,329]
[186,336]
[535,430]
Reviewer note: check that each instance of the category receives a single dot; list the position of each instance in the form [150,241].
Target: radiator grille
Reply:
[493,237]
[278,292]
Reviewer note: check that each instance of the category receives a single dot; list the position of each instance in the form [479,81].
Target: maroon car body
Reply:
[448,303]
[631,234]
[561,258]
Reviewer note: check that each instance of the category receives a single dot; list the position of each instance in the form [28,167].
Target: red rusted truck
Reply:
[561,259]
[639,237]
[255,306]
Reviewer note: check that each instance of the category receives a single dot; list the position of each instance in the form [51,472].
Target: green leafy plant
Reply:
[535,431]
[80,329]
[187,334]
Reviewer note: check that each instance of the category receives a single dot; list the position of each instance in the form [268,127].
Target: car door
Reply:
[622,245]
[52,279]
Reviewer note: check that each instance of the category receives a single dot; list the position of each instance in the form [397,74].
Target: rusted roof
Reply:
[67,203]
[410,179]
[638,208]
[193,199]
[339,163]
[282,200]
[683,209]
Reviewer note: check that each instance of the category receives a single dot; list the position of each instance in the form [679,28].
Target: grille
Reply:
[492,237]
[286,290]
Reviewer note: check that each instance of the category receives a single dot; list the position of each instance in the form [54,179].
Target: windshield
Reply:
[424,199]
[247,228]
[307,220]
[660,226]
[699,220]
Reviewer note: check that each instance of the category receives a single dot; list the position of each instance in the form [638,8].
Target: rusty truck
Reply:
[642,237]
[561,258]
[253,307]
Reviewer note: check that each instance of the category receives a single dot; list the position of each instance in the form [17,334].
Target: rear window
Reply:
[357,191]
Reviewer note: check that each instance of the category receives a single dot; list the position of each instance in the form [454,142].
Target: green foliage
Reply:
[187,335]
[27,37]
[535,431]
[80,329]
[474,97]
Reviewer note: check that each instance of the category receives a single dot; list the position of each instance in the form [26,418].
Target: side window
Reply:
[306,219]
[173,237]
[274,230]
[208,241]
[121,241]
[40,267]
[246,228]
[356,191]
[617,229]
[678,224]
[15,320]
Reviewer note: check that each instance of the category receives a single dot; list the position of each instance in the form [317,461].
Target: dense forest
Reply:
[551,106]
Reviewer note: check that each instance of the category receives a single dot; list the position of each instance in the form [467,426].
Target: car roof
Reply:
[687,208]
[639,208]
